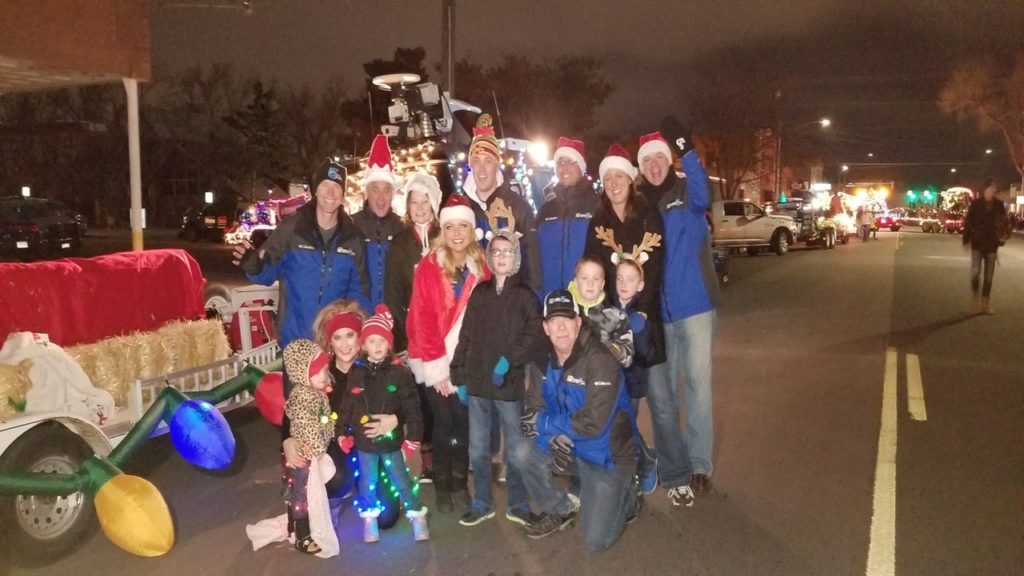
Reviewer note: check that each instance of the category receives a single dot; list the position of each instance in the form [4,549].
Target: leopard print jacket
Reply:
[308,409]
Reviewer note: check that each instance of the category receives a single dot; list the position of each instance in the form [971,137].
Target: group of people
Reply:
[489,322]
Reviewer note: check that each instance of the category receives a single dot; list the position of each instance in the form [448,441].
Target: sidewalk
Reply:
[126,233]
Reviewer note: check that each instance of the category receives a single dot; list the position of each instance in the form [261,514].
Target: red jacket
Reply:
[435,317]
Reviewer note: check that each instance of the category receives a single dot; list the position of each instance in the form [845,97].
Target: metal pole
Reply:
[131,87]
[778,145]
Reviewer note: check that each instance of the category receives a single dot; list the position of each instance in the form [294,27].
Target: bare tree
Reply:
[992,96]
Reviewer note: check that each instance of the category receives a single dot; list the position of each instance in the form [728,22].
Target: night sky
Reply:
[646,47]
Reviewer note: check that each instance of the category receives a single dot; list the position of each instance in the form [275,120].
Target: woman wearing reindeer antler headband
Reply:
[626,226]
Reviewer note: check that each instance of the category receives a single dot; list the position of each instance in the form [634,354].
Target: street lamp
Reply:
[871,154]
[846,168]
[952,170]
[988,150]
[825,122]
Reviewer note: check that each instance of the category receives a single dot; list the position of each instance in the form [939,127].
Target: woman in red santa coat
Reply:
[442,284]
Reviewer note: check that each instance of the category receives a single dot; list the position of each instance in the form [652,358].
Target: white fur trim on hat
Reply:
[653,147]
[463,213]
[427,184]
[378,174]
[617,163]
[572,154]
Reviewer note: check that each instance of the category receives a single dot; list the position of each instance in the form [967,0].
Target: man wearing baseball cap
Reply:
[577,411]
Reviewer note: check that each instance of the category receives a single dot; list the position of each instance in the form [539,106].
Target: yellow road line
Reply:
[882,546]
[915,390]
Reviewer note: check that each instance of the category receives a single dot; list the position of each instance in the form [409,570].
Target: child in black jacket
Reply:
[379,385]
[500,334]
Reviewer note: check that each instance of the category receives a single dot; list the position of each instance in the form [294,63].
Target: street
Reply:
[801,351]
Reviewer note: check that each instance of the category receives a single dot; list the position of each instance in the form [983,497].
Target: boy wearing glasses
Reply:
[500,334]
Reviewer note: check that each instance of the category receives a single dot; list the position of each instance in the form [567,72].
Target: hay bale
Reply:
[114,364]
[14,385]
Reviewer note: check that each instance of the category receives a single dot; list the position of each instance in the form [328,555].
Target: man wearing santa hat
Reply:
[563,220]
[376,220]
[488,191]
[689,295]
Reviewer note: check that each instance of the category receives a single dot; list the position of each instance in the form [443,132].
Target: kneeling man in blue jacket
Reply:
[577,411]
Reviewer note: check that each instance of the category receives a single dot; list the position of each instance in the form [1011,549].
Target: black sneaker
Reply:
[475,515]
[636,510]
[548,524]
[521,516]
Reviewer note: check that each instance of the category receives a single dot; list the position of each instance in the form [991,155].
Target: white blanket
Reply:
[58,383]
[321,526]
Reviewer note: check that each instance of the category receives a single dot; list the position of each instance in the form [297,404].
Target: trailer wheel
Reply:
[46,527]
[217,302]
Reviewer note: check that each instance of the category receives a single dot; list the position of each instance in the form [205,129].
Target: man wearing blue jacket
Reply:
[377,223]
[316,254]
[578,413]
[563,219]
[689,295]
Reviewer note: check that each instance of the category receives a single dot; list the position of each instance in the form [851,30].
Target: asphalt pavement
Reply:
[803,343]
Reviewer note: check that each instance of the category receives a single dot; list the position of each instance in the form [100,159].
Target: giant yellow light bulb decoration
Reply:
[134,516]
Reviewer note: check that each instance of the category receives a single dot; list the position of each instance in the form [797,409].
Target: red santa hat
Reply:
[573,150]
[378,165]
[457,208]
[484,141]
[380,324]
[617,158]
[652,143]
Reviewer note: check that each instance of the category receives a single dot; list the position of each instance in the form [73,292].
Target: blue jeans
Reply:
[535,468]
[394,463]
[688,348]
[607,497]
[483,413]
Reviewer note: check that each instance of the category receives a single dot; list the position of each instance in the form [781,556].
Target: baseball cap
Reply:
[559,303]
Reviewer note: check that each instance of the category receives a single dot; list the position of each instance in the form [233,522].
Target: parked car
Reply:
[208,222]
[741,223]
[891,220]
[34,228]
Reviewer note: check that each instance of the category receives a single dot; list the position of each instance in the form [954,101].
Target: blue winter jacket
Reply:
[377,234]
[586,400]
[689,284]
[562,232]
[312,274]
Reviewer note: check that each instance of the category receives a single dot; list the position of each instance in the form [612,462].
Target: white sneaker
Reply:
[681,496]
[371,532]
[418,519]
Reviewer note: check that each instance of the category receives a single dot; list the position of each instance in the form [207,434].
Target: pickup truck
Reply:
[743,224]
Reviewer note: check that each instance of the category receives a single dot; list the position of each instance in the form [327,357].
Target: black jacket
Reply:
[629,234]
[525,225]
[495,325]
[385,388]
[986,226]
[403,256]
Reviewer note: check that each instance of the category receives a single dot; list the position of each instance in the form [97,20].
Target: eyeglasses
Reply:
[505,252]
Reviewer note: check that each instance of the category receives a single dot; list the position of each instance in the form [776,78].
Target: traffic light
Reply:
[912,196]
[928,197]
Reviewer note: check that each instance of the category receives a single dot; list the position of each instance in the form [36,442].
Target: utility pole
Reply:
[778,144]
[448,45]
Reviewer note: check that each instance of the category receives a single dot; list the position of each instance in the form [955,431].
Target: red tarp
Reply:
[82,300]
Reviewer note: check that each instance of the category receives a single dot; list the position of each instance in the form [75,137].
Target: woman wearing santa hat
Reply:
[422,204]
[442,284]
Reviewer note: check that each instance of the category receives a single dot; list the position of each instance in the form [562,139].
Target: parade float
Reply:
[99,355]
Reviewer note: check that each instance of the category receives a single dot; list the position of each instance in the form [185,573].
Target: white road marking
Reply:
[882,547]
[948,257]
[915,390]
